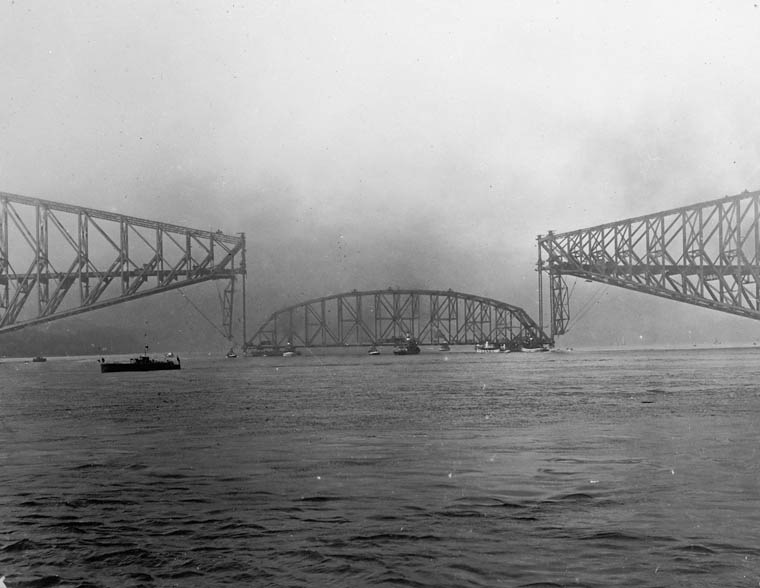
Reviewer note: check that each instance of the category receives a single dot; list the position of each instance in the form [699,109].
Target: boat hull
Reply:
[272,351]
[488,347]
[407,351]
[139,367]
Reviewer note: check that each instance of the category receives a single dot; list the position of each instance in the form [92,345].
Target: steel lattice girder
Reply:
[382,316]
[707,254]
[58,260]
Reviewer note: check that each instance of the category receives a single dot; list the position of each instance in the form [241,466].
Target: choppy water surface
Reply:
[577,469]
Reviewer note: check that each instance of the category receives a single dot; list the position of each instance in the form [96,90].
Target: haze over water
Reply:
[625,468]
[360,145]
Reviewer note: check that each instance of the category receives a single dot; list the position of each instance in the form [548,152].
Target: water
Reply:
[634,468]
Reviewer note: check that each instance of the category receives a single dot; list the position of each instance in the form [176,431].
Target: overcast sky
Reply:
[373,144]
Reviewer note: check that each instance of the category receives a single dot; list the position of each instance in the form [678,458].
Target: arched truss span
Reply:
[706,254]
[382,316]
[58,260]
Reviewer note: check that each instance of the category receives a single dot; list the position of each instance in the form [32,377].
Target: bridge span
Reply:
[382,316]
[706,254]
[58,260]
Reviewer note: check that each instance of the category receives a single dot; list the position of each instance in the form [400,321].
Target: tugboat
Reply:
[406,346]
[142,363]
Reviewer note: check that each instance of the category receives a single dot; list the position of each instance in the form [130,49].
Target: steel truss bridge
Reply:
[706,254]
[59,260]
[383,316]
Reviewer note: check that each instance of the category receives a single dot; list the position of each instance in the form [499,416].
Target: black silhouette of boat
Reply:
[141,363]
[406,346]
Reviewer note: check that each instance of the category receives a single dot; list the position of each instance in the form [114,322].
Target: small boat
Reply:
[142,363]
[263,349]
[406,346]
[534,349]
[373,351]
[565,350]
[290,350]
[489,347]
[39,359]
[230,354]
[444,347]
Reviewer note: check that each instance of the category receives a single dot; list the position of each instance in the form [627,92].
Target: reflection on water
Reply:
[583,469]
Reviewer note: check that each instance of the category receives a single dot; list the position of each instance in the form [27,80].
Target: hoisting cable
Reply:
[195,306]
[575,283]
[585,309]
[587,306]
[219,294]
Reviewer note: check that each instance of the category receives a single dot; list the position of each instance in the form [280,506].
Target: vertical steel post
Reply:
[188,256]
[340,318]
[756,248]
[160,266]
[84,259]
[124,255]
[43,291]
[323,319]
[228,301]
[540,271]
[359,316]
[376,313]
[739,247]
[244,271]
[415,308]
[4,254]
